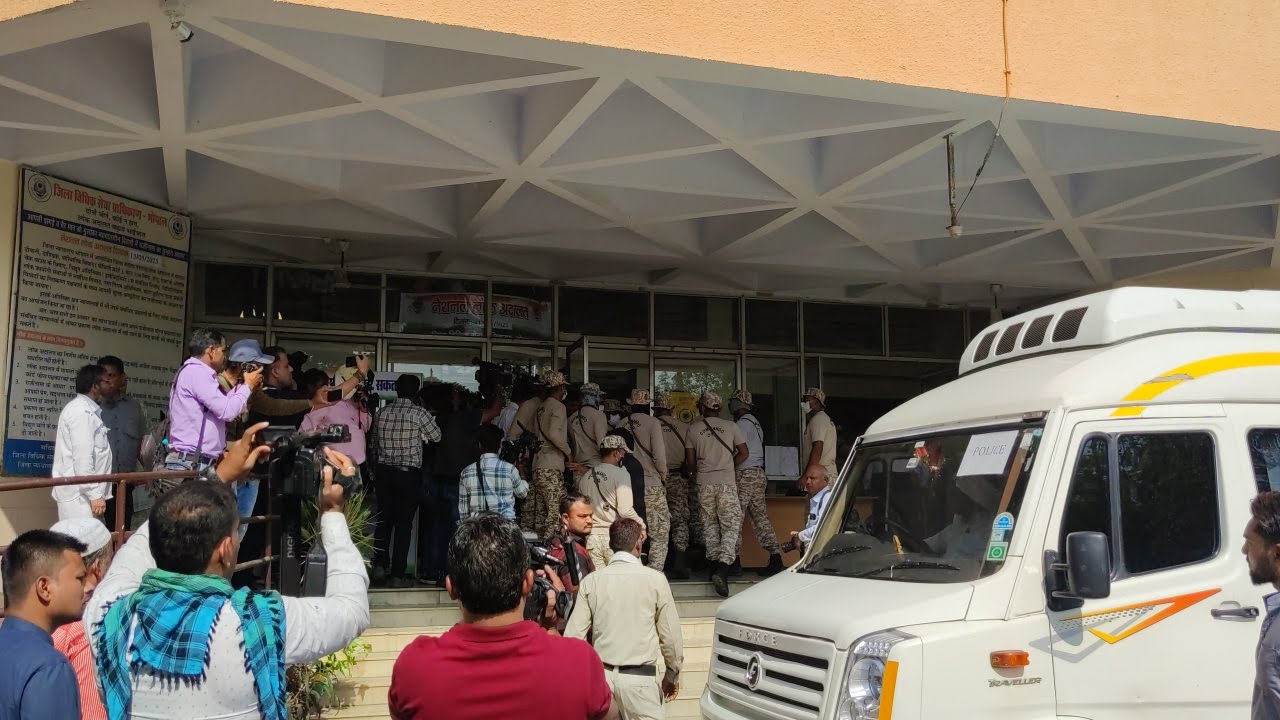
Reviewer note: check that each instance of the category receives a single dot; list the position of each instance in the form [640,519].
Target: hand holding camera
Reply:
[338,468]
[253,377]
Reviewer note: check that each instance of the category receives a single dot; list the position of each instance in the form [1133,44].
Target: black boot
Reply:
[698,558]
[720,579]
[677,567]
[735,570]
[774,567]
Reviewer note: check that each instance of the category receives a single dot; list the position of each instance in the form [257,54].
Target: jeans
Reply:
[246,497]
[398,493]
[436,524]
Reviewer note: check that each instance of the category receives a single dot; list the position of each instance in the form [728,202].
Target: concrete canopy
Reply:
[443,149]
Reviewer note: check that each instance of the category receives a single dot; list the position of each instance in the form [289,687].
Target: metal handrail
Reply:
[124,481]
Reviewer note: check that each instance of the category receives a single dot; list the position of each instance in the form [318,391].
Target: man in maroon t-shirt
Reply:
[495,664]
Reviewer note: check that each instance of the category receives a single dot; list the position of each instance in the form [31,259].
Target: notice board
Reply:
[95,274]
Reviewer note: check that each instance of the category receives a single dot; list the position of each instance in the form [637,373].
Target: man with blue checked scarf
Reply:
[170,637]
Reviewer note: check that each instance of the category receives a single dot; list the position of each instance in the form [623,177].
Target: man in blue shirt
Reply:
[43,576]
[490,484]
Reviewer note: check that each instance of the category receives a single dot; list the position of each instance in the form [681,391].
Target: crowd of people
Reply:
[612,492]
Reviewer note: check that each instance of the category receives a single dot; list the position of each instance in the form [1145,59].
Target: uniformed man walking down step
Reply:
[752,484]
[676,485]
[650,450]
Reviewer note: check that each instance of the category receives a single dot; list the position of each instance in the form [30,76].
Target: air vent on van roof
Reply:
[1036,332]
[984,347]
[1009,339]
[1069,325]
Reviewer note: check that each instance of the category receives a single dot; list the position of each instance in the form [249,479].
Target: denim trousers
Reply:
[437,522]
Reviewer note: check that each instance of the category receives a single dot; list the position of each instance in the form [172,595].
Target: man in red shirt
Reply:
[495,664]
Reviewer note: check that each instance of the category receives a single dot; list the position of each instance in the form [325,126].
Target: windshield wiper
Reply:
[909,565]
[832,552]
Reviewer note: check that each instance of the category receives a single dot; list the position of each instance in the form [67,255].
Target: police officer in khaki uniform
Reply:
[715,447]
[752,484]
[587,426]
[651,451]
[819,445]
[526,414]
[548,487]
[676,485]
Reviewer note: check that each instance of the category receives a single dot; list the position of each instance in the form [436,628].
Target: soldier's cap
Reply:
[710,400]
[816,394]
[611,405]
[614,442]
[590,388]
[742,396]
[664,402]
[639,397]
[553,378]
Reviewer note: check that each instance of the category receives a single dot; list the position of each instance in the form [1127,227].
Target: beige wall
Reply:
[1261,279]
[20,510]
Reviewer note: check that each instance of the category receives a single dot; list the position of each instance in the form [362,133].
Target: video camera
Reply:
[296,459]
[536,604]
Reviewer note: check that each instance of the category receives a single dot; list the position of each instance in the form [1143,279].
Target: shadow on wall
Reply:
[23,510]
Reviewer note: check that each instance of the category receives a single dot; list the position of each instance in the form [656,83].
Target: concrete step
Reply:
[441,615]
[696,632]
[356,693]
[682,707]
[377,665]
[424,597]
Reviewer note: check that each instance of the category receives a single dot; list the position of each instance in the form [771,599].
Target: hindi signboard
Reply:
[96,274]
[453,313]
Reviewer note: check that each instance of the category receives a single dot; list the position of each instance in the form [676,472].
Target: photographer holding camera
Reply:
[494,664]
[170,637]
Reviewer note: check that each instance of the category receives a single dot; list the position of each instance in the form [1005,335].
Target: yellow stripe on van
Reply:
[887,688]
[1157,386]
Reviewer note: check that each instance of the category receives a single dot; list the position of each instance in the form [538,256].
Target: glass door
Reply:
[687,377]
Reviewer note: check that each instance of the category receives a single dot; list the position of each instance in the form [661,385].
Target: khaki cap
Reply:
[710,400]
[816,394]
[591,388]
[639,397]
[553,378]
[614,442]
[664,402]
[742,396]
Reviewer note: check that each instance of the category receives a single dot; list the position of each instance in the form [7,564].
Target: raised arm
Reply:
[205,390]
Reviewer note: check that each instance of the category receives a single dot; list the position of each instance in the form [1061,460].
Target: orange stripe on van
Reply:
[887,688]
[1157,386]
[1176,604]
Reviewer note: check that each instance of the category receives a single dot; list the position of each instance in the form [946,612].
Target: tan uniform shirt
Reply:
[820,429]
[673,438]
[609,489]
[715,461]
[628,611]
[650,447]
[552,429]
[587,428]
[525,416]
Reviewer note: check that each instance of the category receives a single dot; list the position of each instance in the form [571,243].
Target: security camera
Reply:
[183,31]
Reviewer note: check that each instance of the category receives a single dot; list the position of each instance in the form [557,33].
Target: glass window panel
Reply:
[860,391]
[604,315]
[812,378]
[843,328]
[435,306]
[923,332]
[617,372]
[229,293]
[1158,473]
[1089,509]
[531,359]
[522,312]
[772,325]
[441,364]
[312,298]
[774,384]
[1264,450]
[690,377]
[693,321]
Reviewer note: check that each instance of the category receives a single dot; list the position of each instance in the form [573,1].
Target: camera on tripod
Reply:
[535,606]
[297,459]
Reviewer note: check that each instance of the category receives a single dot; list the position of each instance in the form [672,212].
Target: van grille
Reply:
[792,682]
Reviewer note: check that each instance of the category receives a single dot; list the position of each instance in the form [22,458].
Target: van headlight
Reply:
[864,675]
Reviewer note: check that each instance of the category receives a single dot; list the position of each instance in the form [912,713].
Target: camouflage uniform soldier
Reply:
[548,487]
[650,450]
[676,485]
[752,483]
[715,446]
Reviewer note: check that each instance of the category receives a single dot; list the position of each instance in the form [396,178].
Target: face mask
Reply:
[804,406]
[613,418]
[735,405]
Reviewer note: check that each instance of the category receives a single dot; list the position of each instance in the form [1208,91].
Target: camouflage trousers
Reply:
[721,521]
[524,505]
[677,488]
[751,487]
[657,523]
[696,535]
[543,508]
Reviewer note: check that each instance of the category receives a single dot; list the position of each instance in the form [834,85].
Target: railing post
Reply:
[270,526]
[117,536]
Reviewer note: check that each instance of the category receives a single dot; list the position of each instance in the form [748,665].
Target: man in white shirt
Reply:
[753,484]
[628,612]
[82,447]
[171,639]
[815,483]
[819,443]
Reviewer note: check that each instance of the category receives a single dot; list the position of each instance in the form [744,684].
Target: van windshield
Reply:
[934,509]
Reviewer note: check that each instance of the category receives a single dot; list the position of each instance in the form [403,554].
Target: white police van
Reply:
[1056,534]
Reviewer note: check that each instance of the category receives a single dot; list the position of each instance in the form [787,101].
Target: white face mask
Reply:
[804,406]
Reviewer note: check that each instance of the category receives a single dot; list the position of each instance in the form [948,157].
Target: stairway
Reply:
[400,616]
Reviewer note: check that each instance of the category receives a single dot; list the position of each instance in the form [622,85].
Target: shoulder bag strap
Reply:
[631,423]
[716,435]
[484,496]
[543,433]
[582,422]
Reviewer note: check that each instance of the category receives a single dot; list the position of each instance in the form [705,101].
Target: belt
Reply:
[649,670]
[193,456]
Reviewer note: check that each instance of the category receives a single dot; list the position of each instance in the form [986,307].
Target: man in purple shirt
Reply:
[198,409]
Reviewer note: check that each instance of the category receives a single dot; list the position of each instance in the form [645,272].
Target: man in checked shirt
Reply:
[490,484]
[402,427]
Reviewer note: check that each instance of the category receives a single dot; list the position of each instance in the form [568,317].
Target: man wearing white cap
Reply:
[70,639]
[651,451]
[819,446]
[715,447]
[548,486]
[608,487]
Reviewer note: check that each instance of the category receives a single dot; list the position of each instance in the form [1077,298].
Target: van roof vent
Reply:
[1116,316]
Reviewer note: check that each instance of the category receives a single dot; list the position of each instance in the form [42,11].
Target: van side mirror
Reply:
[1085,575]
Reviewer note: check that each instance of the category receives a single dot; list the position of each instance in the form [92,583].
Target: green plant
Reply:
[313,686]
[359,520]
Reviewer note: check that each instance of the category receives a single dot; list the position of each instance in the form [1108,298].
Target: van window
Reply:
[1168,499]
[1264,450]
[1165,490]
